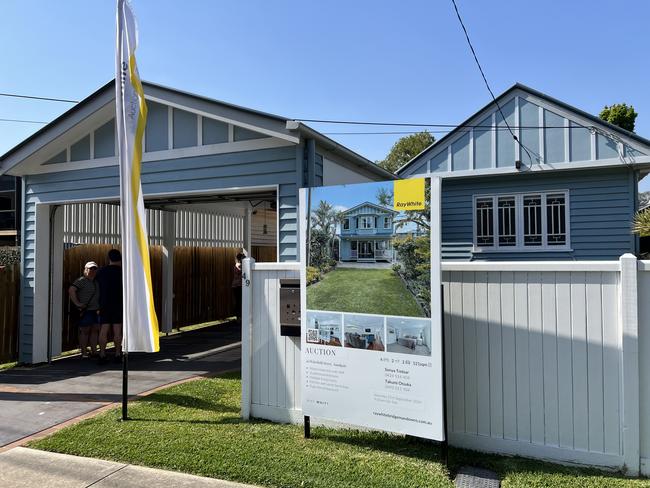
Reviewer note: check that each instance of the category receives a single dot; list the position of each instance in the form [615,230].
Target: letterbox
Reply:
[290,307]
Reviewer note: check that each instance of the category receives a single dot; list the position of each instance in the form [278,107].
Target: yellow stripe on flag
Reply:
[143,245]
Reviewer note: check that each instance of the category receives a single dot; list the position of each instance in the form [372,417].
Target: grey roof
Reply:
[520,86]
[302,128]
[380,207]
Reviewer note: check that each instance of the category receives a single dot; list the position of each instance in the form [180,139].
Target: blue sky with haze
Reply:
[361,60]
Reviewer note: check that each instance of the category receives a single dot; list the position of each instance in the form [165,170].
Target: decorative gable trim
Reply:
[622,147]
[369,204]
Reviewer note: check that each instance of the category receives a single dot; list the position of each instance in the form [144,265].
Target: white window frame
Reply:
[346,220]
[362,219]
[519,216]
[386,222]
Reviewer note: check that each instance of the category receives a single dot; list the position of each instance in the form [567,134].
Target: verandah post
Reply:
[628,306]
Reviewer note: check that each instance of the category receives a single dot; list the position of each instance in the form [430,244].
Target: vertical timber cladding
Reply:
[257,168]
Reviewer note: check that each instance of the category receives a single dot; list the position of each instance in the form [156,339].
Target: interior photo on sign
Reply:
[364,332]
[324,328]
[408,336]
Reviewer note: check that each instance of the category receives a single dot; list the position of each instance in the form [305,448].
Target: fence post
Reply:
[630,352]
[247,337]
[168,243]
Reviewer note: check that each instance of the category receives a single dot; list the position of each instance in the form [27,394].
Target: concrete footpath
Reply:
[34,400]
[28,468]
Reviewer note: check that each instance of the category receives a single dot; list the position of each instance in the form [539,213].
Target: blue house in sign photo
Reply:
[367,231]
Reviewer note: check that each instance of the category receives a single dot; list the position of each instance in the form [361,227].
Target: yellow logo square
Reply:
[409,194]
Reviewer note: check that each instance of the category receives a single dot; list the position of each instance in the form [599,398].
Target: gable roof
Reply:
[595,121]
[369,204]
[267,123]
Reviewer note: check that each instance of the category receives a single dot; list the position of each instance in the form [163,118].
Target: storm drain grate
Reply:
[470,477]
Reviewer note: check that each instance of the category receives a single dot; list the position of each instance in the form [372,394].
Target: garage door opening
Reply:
[193,243]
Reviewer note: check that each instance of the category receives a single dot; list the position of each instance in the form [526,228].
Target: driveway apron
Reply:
[33,399]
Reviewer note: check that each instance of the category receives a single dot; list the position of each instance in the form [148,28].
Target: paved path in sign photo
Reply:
[33,399]
[353,264]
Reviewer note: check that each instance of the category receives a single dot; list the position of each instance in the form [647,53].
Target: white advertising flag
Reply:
[140,322]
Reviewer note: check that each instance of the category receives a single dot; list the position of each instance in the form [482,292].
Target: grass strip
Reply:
[195,428]
[375,291]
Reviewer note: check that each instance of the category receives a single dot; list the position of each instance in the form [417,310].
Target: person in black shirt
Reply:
[110,304]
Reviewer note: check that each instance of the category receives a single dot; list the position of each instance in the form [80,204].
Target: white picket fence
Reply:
[549,360]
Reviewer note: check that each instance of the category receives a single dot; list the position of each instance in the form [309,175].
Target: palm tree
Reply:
[325,218]
[641,224]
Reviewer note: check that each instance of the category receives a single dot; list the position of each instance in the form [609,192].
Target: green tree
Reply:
[324,219]
[620,114]
[384,197]
[405,149]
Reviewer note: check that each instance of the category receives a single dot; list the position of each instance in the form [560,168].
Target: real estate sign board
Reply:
[371,306]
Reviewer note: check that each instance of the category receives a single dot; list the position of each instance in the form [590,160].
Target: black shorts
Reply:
[111,316]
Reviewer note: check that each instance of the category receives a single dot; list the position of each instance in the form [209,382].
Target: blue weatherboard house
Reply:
[366,233]
[198,153]
[569,191]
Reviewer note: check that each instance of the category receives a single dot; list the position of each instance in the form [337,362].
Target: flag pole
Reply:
[139,315]
[125,385]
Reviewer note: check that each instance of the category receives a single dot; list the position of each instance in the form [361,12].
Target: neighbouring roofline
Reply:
[531,91]
[381,207]
[336,147]
[303,129]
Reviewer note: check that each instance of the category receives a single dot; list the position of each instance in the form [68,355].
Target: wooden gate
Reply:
[9,294]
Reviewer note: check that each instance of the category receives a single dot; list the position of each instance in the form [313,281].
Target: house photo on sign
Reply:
[364,255]
[371,344]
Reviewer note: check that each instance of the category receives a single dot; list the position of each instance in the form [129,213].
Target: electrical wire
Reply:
[488,85]
[15,95]
[24,121]
[451,126]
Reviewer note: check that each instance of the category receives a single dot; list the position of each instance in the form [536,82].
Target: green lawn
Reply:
[377,291]
[195,428]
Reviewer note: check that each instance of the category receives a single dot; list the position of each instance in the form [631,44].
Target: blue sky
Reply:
[348,196]
[361,60]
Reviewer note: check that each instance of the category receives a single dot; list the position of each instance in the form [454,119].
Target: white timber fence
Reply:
[270,362]
[548,360]
[99,223]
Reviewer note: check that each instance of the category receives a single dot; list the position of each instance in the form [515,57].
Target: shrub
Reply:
[414,254]
[313,275]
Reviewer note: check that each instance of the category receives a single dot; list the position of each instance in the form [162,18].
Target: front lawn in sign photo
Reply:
[375,291]
[195,428]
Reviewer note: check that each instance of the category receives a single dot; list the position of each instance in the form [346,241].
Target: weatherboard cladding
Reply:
[601,205]
[250,168]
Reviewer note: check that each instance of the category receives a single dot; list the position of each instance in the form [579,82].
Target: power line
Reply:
[451,126]
[24,121]
[15,95]
[381,132]
[488,85]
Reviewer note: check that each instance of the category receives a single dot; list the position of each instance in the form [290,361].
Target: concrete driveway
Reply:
[38,398]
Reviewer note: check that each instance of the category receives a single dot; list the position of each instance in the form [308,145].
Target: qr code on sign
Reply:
[312,336]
